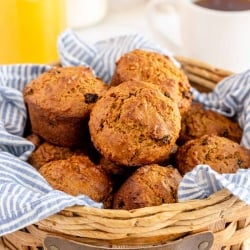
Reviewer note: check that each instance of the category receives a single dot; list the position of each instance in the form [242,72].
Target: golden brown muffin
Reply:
[59,102]
[155,68]
[149,185]
[47,152]
[220,153]
[78,175]
[134,124]
[199,121]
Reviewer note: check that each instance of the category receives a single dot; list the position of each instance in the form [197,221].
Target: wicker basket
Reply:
[221,221]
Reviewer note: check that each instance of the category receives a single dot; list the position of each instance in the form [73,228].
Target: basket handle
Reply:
[200,241]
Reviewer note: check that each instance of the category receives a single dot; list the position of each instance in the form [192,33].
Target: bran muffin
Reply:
[78,175]
[221,154]
[47,152]
[59,102]
[134,124]
[199,121]
[155,68]
[149,185]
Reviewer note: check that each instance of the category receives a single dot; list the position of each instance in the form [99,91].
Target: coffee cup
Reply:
[217,35]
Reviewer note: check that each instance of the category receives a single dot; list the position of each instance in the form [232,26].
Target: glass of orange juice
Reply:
[29,30]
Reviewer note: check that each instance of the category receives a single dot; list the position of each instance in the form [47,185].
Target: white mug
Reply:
[221,38]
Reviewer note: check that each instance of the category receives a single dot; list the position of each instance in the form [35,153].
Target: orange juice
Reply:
[29,30]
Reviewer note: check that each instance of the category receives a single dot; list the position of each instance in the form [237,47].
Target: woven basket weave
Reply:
[168,226]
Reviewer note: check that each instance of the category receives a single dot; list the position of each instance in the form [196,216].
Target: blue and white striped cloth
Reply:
[25,197]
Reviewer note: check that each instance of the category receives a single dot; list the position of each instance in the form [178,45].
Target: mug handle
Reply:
[163,19]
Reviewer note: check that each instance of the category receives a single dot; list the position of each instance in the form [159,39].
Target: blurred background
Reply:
[29,28]
[127,16]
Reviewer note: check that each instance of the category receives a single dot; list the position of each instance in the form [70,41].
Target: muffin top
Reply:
[68,91]
[158,69]
[149,185]
[135,124]
[199,121]
[47,152]
[220,153]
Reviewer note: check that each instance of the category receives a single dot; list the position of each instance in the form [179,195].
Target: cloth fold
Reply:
[203,181]
[26,197]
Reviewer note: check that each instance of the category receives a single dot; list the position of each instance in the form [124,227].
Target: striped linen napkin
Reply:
[26,197]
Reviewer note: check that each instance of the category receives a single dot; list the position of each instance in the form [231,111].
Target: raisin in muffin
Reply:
[155,68]
[78,175]
[59,102]
[149,185]
[199,121]
[134,124]
[220,153]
